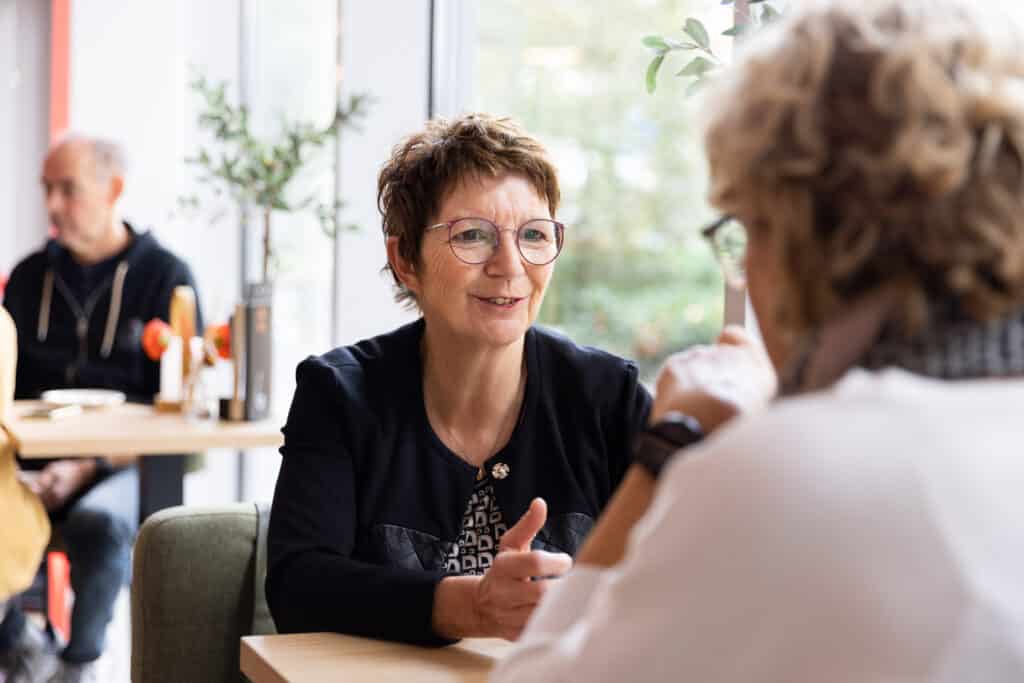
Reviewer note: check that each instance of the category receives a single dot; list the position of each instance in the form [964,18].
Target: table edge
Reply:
[252,664]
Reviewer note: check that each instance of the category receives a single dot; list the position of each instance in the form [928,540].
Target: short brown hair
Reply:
[879,142]
[425,167]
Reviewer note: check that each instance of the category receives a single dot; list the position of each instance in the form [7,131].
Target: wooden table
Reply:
[136,429]
[348,659]
[132,429]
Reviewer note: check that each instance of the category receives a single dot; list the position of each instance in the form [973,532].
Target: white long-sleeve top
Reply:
[873,532]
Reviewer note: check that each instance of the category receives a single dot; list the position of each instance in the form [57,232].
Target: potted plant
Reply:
[258,171]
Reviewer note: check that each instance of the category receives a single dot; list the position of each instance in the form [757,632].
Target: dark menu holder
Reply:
[251,355]
[257,363]
[233,408]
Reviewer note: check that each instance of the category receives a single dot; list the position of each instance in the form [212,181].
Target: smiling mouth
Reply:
[501,300]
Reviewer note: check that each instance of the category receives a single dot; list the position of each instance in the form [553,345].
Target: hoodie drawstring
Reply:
[114,313]
[43,328]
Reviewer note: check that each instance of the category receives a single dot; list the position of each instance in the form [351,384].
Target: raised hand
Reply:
[521,535]
[509,591]
[714,383]
[499,603]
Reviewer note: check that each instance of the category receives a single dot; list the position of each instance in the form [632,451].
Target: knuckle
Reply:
[533,564]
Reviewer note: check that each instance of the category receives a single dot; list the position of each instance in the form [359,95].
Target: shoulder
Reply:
[24,286]
[843,484]
[562,355]
[31,266]
[364,371]
[799,433]
[152,257]
[871,437]
[573,366]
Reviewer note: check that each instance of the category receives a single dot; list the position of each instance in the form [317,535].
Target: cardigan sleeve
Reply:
[631,412]
[313,581]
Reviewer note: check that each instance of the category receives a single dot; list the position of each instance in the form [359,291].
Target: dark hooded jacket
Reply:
[81,326]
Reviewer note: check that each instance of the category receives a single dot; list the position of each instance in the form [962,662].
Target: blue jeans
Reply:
[98,530]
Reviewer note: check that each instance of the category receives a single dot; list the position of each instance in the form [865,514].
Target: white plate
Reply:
[86,398]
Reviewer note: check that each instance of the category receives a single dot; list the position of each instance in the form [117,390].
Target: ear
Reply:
[116,188]
[405,270]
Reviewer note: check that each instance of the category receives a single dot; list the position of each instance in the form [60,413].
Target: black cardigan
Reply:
[369,500]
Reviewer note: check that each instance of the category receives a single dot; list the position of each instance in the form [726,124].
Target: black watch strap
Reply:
[103,467]
[658,443]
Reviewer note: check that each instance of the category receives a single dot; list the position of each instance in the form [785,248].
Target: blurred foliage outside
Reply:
[635,277]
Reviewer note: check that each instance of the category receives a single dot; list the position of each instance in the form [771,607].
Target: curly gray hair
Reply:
[880,142]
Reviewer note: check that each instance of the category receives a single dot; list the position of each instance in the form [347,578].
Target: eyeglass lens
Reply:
[731,244]
[474,240]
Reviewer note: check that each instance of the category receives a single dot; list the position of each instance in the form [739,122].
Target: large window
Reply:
[635,277]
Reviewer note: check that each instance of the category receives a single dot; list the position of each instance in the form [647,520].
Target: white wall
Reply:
[129,82]
[24,126]
[387,58]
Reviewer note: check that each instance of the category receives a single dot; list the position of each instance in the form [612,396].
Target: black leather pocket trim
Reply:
[403,547]
[564,533]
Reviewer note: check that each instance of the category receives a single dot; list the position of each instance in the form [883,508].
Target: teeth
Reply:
[501,301]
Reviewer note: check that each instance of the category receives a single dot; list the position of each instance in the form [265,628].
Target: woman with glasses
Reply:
[412,459]
[868,524]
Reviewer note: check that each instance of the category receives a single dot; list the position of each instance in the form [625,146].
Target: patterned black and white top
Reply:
[483,525]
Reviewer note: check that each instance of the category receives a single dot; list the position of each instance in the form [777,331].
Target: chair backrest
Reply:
[197,588]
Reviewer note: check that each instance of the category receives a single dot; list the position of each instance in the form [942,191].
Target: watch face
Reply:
[654,446]
[652,452]
[678,429]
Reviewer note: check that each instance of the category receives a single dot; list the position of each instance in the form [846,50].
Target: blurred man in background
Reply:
[80,305]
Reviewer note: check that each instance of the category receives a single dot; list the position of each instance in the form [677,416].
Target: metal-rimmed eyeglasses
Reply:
[728,239]
[475,240]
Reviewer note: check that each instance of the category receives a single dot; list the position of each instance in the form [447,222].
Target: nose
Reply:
[54,201]
[506,261]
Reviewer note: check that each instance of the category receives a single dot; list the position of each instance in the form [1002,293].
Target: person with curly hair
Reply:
[26,526]
[409,457]
[867,523]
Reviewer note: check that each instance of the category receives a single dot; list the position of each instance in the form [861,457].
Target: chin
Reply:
[502,333]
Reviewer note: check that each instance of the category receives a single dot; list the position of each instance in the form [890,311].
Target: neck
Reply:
[116,238]
[948,349]
[472,394]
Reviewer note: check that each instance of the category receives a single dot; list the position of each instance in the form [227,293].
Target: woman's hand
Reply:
[499,603]
[716,383]
[710,383]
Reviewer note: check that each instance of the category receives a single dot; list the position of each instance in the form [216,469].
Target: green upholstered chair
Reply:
[197,588]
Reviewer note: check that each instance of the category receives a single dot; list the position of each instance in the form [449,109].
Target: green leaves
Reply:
[695,29]
[769,14]
[701,67]
[652,73]
[258,170]
[698,66]
[699,41]
[655,43]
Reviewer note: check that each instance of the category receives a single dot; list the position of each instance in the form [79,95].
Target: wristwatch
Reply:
[655,445]
[103,467]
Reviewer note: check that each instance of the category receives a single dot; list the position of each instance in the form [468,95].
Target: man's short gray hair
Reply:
[108,155]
